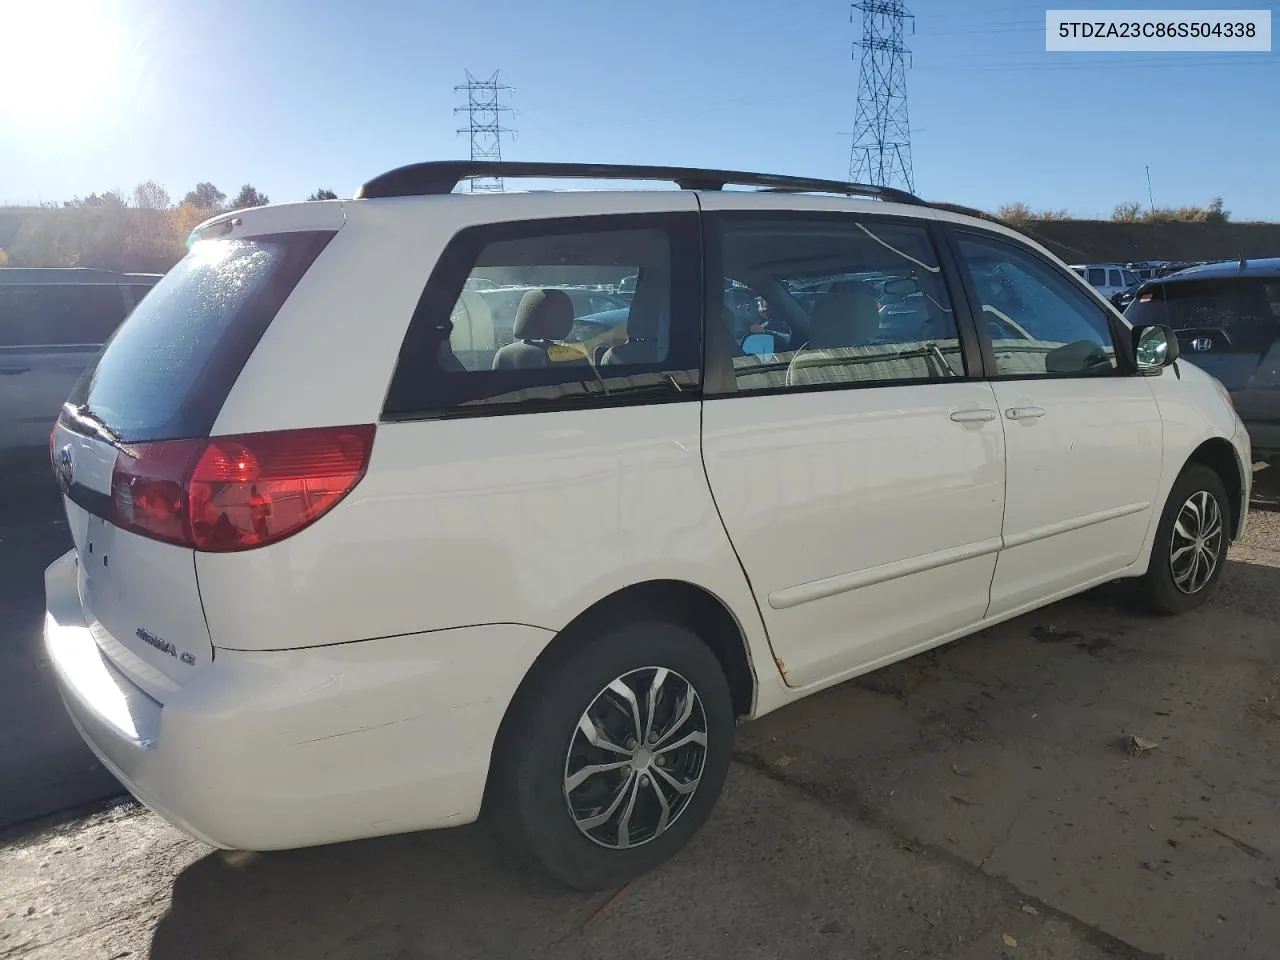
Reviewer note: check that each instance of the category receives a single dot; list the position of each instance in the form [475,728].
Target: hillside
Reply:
[1106,241]
[1082,241]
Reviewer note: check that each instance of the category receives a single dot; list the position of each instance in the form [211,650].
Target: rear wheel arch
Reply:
[674,601]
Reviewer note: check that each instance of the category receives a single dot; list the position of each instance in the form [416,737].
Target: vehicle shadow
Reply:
[458,893]
[449,893]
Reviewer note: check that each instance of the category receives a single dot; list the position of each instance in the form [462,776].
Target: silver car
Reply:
[53,322]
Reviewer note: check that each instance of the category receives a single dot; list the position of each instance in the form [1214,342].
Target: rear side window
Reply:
[519,317]
[170,366]
[1245,309]
[1097,277]
[69,314]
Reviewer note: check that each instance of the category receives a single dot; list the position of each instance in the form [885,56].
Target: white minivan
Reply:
[354,557]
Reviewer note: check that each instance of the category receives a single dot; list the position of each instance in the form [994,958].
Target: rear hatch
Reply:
[1227,326]
[129,437]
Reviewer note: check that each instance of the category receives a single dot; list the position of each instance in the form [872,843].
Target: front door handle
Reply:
[1024,413]
[11,371]
[973,415]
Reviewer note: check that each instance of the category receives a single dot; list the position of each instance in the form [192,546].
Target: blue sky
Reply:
[292,96]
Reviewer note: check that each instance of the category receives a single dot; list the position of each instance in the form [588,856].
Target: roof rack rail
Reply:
[443,176]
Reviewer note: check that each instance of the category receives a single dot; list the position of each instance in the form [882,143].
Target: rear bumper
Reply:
[283,749]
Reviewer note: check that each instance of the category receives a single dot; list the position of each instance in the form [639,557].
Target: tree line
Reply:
[1129,212]
[143,231]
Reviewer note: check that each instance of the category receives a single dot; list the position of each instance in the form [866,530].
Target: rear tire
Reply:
[594,829]
[1190,547]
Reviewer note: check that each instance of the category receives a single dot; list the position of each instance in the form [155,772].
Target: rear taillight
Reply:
[236,493]
[149,489]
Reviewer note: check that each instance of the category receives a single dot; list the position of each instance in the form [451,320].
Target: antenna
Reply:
[1151,205]
[484,110]
[881,152]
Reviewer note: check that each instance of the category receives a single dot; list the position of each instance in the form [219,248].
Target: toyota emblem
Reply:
[66,464]
[1201,344]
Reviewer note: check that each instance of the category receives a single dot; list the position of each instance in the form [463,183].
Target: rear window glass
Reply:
[170,366]
[59,314]
[1245,309]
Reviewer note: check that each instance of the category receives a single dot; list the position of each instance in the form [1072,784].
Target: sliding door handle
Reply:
[1024,413]
[973,415]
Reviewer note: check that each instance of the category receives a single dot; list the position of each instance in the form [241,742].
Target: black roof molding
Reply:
[443,176]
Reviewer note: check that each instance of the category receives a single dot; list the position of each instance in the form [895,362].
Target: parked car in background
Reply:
[1146,270]
[331,578]
[1178,266]
[1227,320]
[53,322]
[1107,278]
[1122,299]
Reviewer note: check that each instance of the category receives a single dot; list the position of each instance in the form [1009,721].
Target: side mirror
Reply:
[758,344]
[1154,348]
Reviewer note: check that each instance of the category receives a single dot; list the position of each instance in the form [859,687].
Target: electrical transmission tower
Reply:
[881,152]
[484,110]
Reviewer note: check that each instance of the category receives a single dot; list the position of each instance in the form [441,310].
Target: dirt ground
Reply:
[973,802]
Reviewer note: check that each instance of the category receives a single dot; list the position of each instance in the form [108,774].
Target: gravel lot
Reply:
[973,802]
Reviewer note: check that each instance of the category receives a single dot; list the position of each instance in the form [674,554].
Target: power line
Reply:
[881,150]
[1099,65]
[484,110]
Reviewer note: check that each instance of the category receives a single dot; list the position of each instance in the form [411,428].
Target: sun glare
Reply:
[64,59]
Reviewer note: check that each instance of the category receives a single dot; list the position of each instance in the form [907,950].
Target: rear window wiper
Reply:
[86,419]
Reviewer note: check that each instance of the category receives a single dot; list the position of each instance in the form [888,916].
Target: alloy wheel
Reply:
[635,758]
[1196,546]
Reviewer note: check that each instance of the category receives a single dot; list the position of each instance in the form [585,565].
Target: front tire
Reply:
[1190,548]
[615,755]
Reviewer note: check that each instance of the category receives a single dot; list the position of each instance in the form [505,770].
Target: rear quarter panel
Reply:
[526,519]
